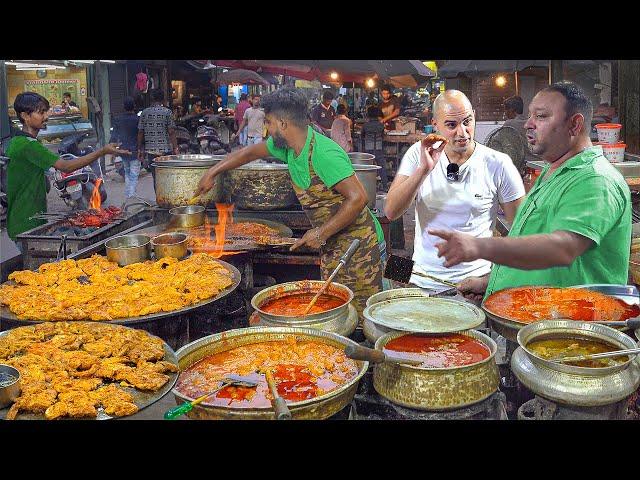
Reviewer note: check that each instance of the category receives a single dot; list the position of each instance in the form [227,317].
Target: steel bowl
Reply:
[572,385]
[10,391]
[437,389]
[371,330]
[334,320]
[128,249]
[170,245]
[186,217]
[313,409]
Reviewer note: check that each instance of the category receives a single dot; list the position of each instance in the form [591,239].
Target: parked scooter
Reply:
[209,141]
[76,188]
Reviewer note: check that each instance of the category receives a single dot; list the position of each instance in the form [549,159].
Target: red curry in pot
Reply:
[294,305]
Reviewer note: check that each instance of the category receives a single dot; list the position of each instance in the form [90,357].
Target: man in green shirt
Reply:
[331,195]
[575,225]
[29,160]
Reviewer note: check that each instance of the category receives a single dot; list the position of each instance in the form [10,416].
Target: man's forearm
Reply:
[140,141]
[239,158]
[530,252]
[174,140]
[68,166]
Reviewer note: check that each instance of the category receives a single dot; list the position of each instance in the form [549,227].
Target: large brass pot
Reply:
[175,185]
[317,408]
[260,186]
[568,384]
[338,320]
[371,330]
[437,389]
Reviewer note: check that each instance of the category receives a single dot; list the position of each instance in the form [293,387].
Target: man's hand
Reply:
[430,156]
[206,183]
[457,247]
[473,288]
[312,238]
[112,149]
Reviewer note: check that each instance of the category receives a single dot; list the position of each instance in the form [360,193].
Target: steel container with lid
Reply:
[573,385]
[368,176]
[371,330]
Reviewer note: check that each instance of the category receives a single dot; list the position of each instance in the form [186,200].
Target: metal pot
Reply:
[314,409]
[170,245]
[128,249]
[260,186]
[186,217]
[570,385]
[437,388]
[175,185]
[189,160]
[362,158]
[338,320]
[368,176]
[373,331]
[11,391]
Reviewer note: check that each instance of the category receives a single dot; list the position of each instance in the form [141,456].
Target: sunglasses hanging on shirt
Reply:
[453,174]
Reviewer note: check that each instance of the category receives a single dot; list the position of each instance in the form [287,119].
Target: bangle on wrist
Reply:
[320,241]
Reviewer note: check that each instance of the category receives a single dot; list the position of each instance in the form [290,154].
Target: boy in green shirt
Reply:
[575,225]
[29,160]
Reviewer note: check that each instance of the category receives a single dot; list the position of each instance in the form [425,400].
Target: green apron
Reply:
[363,273]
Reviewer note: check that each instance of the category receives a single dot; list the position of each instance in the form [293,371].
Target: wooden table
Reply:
[398,140]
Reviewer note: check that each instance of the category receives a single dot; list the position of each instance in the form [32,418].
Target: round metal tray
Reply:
[141,398]
[7,314]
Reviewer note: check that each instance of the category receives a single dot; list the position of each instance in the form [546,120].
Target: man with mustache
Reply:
[457,186]
[575,225]
[331,195]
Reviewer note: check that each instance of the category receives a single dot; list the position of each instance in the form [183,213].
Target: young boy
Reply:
[29,160]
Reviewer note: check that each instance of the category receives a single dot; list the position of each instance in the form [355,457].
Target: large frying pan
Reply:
[8,315]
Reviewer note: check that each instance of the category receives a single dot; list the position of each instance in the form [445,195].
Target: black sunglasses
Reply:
[453,174]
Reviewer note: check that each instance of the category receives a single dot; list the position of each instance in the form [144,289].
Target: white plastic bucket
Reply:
[608,132]
[614,152]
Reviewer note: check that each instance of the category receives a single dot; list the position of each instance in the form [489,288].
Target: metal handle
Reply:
[594,356]
[633,323]
[177,411]
[356,352]
[350,251]
[282,411]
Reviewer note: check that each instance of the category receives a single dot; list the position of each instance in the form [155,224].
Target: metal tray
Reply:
[7,314]
[425,315]
[141,399]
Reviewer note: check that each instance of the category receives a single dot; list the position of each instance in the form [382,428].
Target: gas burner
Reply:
[542,409]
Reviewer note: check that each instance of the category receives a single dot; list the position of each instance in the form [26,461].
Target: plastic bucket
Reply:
[613,151]
[608,132]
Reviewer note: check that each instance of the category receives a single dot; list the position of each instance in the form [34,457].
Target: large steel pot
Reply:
[362,158]
[176,184]
[260,186]
[571,385]
[373,331]
[368,176]
[314,409]
[340,320]
[509,328]
[189,160]
[437,389]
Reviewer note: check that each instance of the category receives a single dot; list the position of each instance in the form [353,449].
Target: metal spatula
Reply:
[400,269]
[594,356]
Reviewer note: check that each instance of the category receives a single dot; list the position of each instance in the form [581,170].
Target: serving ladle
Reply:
[595,356]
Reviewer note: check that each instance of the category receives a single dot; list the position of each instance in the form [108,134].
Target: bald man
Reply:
[457,186]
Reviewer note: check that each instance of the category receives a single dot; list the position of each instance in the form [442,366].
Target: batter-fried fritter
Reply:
[62,382]
[54,292]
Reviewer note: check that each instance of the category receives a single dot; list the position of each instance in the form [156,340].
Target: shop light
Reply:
[334,75]
[22,69]
[83,61]
[370,83]
[37,66]
[501,81]
[107,61]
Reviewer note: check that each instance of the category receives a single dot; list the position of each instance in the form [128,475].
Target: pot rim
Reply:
[361,167]
[128,247]
[170,234]
[250,331]
[476,335]
[199,209]
[573,327]
[16,375]
[301,283]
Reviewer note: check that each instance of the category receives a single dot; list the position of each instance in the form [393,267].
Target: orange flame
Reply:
[224,216]
[96,200]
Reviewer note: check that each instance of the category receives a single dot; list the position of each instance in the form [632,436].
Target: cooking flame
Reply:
[96,200]
[225,216]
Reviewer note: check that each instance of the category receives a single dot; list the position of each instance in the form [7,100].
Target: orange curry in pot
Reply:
[529,304]
[442,351]
[294,305]
[302,370]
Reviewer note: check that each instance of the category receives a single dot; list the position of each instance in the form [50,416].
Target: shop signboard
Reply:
[53,89]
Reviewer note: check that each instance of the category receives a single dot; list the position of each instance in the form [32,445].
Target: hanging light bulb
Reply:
[334,75]
[501,81]
[370,83]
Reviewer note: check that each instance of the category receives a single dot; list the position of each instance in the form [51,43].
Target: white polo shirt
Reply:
[469,206]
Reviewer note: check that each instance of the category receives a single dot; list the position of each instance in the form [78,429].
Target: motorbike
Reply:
[210,142]
[76,188]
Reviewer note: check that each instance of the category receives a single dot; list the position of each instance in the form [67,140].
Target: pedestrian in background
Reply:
[125,132]
[242,107]
[341,129]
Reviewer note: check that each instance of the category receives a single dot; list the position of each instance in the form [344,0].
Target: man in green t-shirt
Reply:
[331,195]
[575,224]
[29,160]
